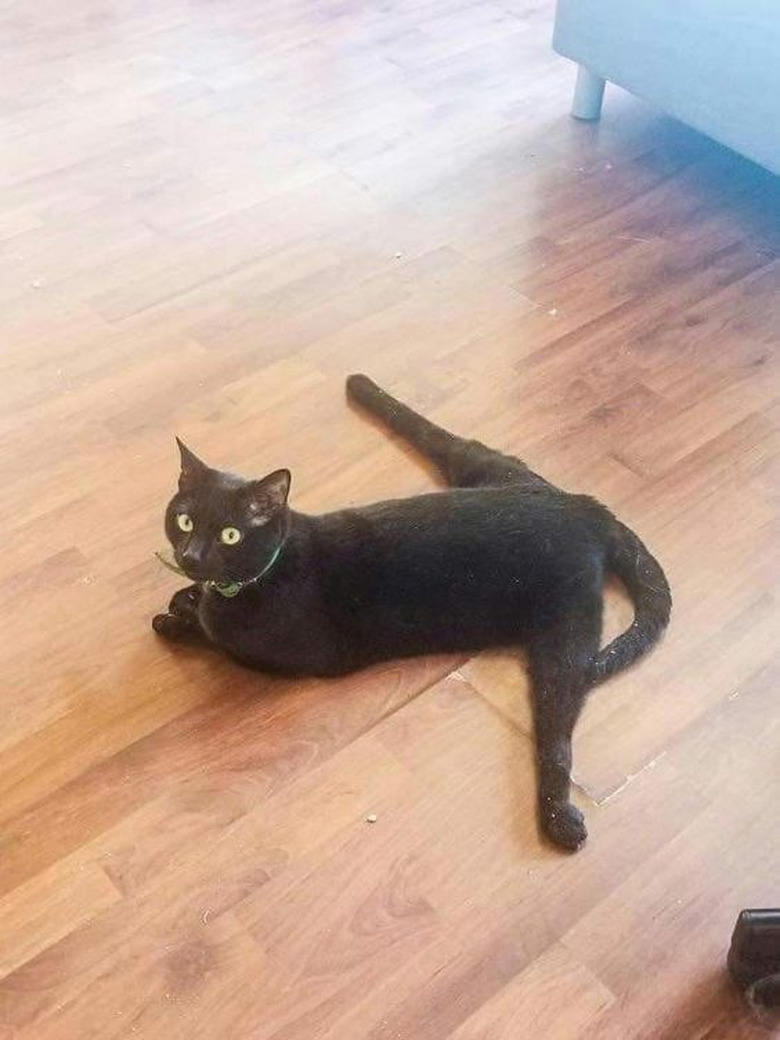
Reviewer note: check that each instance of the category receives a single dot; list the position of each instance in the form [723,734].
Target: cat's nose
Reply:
[191,561]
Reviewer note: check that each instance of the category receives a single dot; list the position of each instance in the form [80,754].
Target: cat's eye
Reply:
[230,536]
[184,522]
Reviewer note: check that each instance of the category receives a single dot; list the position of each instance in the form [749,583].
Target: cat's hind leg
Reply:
[181,618]
[463,463]
[560,659]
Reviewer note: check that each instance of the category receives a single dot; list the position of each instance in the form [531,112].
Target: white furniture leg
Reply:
[588,95]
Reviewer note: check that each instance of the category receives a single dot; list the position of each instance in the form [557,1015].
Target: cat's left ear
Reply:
[192,469]
[266,496]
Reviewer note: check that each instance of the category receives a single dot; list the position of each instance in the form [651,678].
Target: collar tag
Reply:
[228,590]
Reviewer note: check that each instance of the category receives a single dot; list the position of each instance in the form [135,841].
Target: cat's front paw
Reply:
[170,626]
[185,602]
[564,825]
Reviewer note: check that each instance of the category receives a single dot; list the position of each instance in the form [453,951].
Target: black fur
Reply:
[502,558]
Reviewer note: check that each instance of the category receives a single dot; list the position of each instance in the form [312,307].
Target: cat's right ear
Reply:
[192,469]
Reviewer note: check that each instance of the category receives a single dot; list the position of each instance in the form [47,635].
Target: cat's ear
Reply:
[192,469]
[266,496]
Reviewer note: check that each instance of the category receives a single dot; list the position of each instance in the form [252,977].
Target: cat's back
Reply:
[459,569]
[466,523]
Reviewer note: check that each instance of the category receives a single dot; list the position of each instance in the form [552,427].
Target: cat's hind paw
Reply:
[564,825]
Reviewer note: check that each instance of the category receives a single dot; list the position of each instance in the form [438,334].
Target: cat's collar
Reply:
[228,589]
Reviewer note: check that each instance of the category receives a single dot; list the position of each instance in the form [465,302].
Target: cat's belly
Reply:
[261,638]
[315,650]
[287,629]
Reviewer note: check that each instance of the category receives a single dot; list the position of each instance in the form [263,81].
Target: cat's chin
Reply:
[196,576]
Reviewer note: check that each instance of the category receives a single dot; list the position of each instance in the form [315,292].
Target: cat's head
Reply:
[224,528]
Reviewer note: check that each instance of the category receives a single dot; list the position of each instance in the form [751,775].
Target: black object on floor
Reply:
[754,957]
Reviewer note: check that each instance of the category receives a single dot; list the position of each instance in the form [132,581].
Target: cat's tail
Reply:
[400,418]
[649,590]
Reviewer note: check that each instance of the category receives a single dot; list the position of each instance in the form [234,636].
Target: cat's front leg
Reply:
[181,618]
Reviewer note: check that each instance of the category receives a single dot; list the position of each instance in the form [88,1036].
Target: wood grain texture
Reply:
[209,215]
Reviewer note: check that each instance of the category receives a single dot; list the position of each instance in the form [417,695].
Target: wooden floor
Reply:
[210,213]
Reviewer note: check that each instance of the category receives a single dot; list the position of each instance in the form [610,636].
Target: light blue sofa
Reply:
[714,64]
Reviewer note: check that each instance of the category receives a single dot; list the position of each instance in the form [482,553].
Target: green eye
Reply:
[184,522]
[230,536]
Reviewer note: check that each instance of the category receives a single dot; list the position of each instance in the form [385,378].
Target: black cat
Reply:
[501,559]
